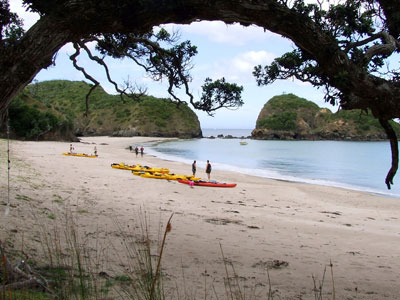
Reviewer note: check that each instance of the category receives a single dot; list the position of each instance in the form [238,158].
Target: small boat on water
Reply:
[208,183]
[243,143]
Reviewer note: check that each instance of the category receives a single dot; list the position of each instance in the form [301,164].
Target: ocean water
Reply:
[353,165]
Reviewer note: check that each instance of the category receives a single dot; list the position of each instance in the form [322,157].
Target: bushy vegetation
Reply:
[163,111]
[364,121]
[290,102]
[71,94]
[288,113]
[283,121]
[30,122]
[62,103]
[284,111]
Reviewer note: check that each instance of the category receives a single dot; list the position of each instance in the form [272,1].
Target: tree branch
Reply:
[101,62]
[157,61]
[388,47]
[15,278]
[87,76]
[394,146]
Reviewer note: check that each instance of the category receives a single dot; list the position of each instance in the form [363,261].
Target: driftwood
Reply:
[20,276]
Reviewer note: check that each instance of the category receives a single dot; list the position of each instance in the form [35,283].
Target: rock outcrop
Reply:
[288,117]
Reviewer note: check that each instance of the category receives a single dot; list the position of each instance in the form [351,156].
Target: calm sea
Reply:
[353,165]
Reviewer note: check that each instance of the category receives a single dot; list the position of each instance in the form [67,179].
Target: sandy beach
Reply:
[294,230]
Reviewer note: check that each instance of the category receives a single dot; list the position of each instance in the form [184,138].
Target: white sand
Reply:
[257,222]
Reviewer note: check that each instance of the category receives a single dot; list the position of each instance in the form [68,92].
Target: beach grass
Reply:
[72,269]
[60,242]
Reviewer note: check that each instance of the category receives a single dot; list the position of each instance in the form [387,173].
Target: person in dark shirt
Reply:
[194,168]
[208,169]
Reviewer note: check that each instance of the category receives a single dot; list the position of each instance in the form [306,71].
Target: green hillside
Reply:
[281,112]
[290,117]
[108,114]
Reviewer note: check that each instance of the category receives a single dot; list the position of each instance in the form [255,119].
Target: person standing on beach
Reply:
[95,150]
[194,168]
[208,169]
[141,151]
[136,151]
[71,148]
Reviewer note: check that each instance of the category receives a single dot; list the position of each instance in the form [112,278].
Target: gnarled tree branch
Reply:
[15,278]
[388,47]
[87,76]
[394,146]
[101,62]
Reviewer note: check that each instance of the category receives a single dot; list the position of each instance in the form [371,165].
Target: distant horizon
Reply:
[235,132]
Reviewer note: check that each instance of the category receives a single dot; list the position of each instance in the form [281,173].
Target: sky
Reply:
[223,51]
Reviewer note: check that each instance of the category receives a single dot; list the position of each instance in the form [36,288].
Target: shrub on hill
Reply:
[281,112]
[283,121]
[290,117]
[62,103]
[31,123]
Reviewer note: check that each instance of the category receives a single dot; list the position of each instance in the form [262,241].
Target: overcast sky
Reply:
[223,51]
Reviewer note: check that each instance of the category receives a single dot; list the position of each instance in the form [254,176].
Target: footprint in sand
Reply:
[253,227]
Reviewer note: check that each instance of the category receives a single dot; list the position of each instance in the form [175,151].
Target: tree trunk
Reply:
[20,62]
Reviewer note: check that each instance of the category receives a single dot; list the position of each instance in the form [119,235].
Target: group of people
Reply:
[208,169]
[194,167]
[137,150]
[71,149]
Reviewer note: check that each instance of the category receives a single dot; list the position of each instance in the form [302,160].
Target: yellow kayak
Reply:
[138,173]
[165,176]
[181,177]
[139,168]
[80,154]
[155,170]
[154,175]
[123,166]
[151,170]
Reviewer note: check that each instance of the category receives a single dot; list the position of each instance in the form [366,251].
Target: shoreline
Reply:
[287,178]
[257,223]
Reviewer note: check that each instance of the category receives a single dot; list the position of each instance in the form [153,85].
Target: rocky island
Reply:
[289,117]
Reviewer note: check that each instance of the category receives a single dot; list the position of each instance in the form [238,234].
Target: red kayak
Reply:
[208,183]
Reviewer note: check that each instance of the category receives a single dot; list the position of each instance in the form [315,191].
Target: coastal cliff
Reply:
[55,110]
[288,117]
